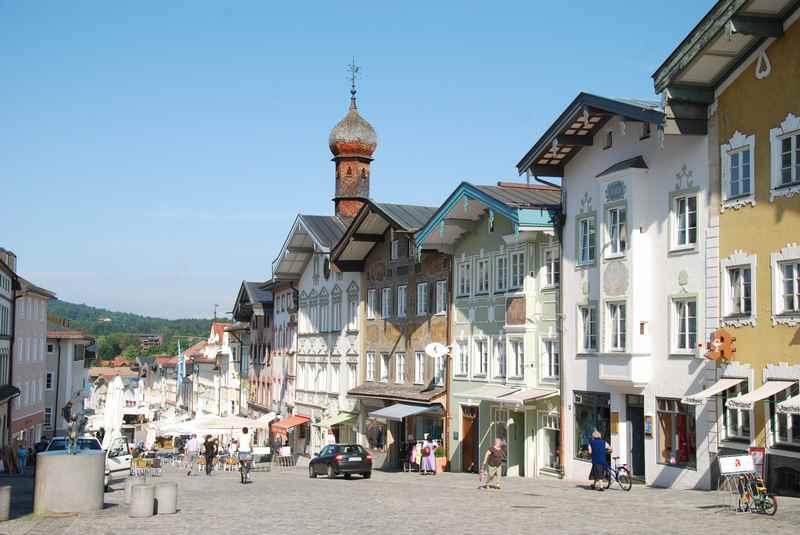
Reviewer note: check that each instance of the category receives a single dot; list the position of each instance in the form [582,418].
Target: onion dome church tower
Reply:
[352,143]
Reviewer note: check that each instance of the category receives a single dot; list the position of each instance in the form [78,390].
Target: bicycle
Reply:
[620,473]
[753,496]
[245,465]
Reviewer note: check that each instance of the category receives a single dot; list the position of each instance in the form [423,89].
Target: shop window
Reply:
[592,413]
[736,421]
[376,435]
[785,427]
[550,425]
[676,433]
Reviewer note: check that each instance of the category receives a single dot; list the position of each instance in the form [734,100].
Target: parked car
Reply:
[347,459]
[118,455]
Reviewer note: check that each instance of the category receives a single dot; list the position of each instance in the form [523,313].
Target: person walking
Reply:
[190,452]
[210,448]
[492,465]
[245,449]
[598,449]
[428,465]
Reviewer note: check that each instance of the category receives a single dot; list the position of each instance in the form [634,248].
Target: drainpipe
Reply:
[559,229]
[12,340]
[448,359]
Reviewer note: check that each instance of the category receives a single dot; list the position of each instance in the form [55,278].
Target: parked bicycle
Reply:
[621,473]
[754,497]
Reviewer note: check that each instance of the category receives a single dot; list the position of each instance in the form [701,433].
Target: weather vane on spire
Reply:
[355,72]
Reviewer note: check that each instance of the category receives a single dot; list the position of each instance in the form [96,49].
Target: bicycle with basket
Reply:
[744,487]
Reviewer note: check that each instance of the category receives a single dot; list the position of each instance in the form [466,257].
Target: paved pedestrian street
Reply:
[290,502]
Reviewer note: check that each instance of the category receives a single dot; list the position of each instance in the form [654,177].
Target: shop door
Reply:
[635,408]
[469,439]
[516,445]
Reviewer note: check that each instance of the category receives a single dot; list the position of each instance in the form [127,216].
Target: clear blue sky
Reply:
[153,154]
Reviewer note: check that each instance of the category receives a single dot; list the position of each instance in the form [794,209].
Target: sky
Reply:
[154,154]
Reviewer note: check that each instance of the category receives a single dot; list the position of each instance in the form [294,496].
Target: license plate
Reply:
[355,459]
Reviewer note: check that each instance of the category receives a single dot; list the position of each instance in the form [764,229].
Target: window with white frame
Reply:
[500,273]
[736,421]
[384,367]
[441,297]
[551,359]
[785,158]
[684,219]
[422,299]
[552,267]
[615,312]
[790,159]
[786,285]
[402,291]
[482,276]
[48,418]
[419,367]
[324,311]
[48,383]
[463,358]
[617,231]
[386,302]
[371,304]
[738,170]
[586,240]
[685,324]
[500,358]
[517,358]
[352,310]
[334,382]
[790,278]
[336,321]
[352,376]
[395,253]
[370,371]
[587,316]
[517,269]
[399,367]
[785,427]
[740,296]
[482,356]
[439,370]
[465,279]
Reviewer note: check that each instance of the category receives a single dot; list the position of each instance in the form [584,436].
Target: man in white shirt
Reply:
[245,453]
[191,453]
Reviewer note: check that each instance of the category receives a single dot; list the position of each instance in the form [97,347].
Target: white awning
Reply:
[487,392]
[721,385]
[528,394]
[768,389]
[398,411]
[790,406]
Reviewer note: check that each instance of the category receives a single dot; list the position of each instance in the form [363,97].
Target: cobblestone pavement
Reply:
[409,503]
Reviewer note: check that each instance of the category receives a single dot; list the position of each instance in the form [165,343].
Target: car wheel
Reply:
[331,473]
[347,476]
[367,475]
[311,473]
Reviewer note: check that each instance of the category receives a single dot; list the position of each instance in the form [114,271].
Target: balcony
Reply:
[625,369]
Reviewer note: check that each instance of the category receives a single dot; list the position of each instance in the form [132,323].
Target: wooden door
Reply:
[469,439]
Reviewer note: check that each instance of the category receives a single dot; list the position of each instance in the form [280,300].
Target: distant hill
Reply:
[100,321]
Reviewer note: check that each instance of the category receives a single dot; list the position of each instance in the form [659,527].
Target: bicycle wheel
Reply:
[769,505]
[624,479]
[606,483]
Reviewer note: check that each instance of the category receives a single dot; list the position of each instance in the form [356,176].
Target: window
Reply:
[501,273]
[352,310]
[399,368]
[316,266]
[384,367]
[441,297]
[617,232]
[609,140]
[386,301]
[592,413]
[48,418]
[482,354]
[551,437]
[50,348]
[784,143]
[422,299]
[324,311]
[586,240]
[587,315]
[395,253]
[5,320]
[49,381]
[337,316]
[740,297]
[785,427]
[402,291]
[551,358]
[517,358]
[676,433]
[464,279]
[500,359]
[463,358]
[482,280]
[419,367]
[334,382]
[370,372]
[685,221]
[790,160]
[78,352]
[552,267]
[616,321]
[645,131]
[790,275]
[739,183]
[517,269]
[785,266]
[736,421]
[685,315]
[352,377]
[439,370]
[371,304]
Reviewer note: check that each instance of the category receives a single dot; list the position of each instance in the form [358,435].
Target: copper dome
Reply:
[353,135]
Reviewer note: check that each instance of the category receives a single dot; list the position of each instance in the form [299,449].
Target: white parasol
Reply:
[112,414]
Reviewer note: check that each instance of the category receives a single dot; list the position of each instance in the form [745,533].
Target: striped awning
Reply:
[790,406]
[768,389]
[720,386]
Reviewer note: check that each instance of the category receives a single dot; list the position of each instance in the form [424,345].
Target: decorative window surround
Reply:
[788,254]
[790,125]
[738,142]
[682,199]
[738,259]
[781,371]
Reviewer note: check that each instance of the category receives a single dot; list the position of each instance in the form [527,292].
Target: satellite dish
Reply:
[436,349]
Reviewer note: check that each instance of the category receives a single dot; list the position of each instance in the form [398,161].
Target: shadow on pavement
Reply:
[21,494]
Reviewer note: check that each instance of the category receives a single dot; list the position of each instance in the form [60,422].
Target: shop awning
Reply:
[288,423]
[398,411]
[487,392]
[790,406]
[8,392]
[527,394]
[341,418]
[720,386]
[770,388]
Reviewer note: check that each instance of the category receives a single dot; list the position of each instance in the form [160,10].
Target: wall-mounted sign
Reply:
[648,425]
[736,464]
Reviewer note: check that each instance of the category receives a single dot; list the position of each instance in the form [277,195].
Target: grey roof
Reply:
[417,393]
[257,293]
[408,216]
[325,228]
[524,196]
[636,162]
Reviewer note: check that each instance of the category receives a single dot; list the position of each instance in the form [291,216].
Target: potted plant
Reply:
[441,460]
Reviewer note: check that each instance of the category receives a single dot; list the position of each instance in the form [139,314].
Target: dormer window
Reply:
[609,141]
[645,130]
[395,252]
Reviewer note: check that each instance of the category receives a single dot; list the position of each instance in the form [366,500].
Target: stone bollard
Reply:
[166,498]
[5,502]
[142,501]
[129,483]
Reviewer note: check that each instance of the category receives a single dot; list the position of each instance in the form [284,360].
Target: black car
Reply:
[347,459]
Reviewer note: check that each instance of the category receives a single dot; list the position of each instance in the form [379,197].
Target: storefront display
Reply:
[592,412]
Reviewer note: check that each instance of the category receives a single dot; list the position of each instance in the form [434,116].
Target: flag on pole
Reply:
[181,370]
